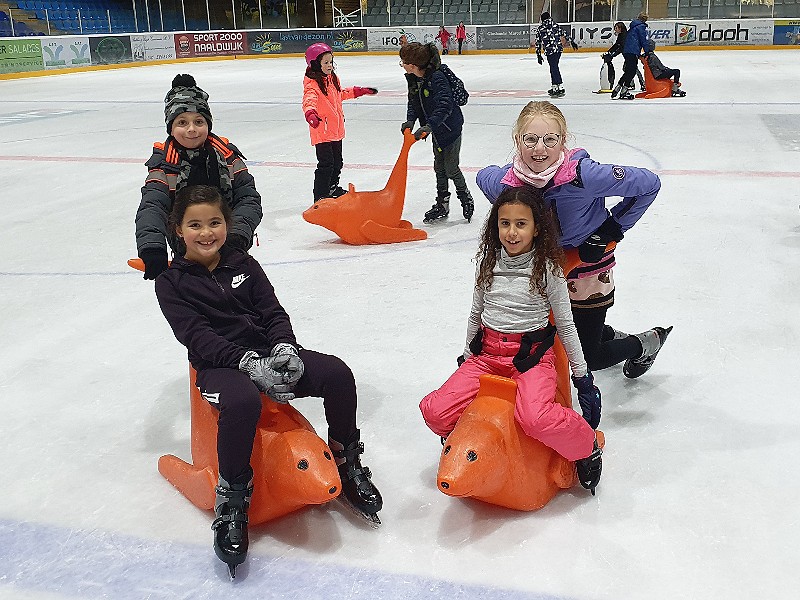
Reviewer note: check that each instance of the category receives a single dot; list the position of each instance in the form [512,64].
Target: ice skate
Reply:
[652,341]
[552,91]
[230,526]
[439,211]
[560,92]
[336,191]
[609,333]
[590,468]
[467,204]
[624,95]
[359,494]
[677,92]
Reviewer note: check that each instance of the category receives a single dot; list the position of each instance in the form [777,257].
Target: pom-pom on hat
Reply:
[185,96]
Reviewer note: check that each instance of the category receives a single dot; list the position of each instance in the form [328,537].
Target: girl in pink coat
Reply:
[519,281]
[322,107]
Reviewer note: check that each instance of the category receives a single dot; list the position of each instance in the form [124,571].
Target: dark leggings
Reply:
[325,376]
[674,74]
[600,349]
[329,168]
[629,69]
[555,72]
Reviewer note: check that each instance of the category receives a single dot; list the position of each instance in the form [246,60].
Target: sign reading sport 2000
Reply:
[211,43]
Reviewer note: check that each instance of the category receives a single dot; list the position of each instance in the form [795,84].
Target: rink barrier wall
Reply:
[34,56]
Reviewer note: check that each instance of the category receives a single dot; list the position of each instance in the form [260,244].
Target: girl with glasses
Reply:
[577,187]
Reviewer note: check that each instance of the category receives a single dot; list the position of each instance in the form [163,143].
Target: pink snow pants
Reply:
[536,410]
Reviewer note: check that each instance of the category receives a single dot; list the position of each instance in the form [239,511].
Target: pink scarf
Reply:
[538,180]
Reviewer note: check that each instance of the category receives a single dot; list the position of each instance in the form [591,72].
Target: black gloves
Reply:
[592,250]
[589,399]
[155,262]
[539,57]
[422,132]
[406,125]
[574,45]
[234,240]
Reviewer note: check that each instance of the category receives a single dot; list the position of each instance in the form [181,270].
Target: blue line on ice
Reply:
[101,564]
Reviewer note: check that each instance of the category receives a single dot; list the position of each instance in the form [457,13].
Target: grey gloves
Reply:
[276,375]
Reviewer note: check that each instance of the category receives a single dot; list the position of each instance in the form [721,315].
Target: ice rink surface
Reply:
[698,493]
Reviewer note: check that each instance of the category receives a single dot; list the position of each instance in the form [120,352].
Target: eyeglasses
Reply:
[548,139]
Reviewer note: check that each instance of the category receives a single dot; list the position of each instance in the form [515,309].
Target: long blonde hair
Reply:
[541,108]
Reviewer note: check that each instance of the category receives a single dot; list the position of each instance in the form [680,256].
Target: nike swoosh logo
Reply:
[237,282]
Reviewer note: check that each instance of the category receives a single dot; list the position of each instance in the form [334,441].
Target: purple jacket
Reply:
[579,189]
[220,315]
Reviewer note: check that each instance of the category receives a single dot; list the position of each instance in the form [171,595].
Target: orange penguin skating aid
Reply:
[361,218]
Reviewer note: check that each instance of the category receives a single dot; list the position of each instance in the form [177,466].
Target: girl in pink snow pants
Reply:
[519,282]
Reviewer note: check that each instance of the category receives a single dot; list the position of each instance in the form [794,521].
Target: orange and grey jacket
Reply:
[158,193]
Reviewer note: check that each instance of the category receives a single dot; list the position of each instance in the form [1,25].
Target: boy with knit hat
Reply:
[431,101]
[191,155]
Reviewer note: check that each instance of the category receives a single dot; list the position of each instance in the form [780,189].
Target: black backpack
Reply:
[460,93]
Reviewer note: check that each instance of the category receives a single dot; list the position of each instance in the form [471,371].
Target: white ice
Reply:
[699,490]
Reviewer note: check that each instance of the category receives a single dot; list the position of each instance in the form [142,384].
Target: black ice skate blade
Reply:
[231,572]
[435,221]
[370,519]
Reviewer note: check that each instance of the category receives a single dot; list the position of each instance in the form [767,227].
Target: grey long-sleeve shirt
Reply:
[508,306]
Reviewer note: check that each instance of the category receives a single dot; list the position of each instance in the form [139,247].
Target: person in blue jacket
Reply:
[223,308]
[635,44]
[577,187]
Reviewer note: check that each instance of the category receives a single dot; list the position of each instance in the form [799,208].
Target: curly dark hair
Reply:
[545,242]
[314,71]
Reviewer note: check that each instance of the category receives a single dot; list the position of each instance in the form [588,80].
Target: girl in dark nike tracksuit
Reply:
[225,311]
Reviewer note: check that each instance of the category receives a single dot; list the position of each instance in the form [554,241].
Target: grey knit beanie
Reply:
[185,96]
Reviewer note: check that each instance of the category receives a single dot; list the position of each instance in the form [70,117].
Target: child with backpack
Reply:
[435,102]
